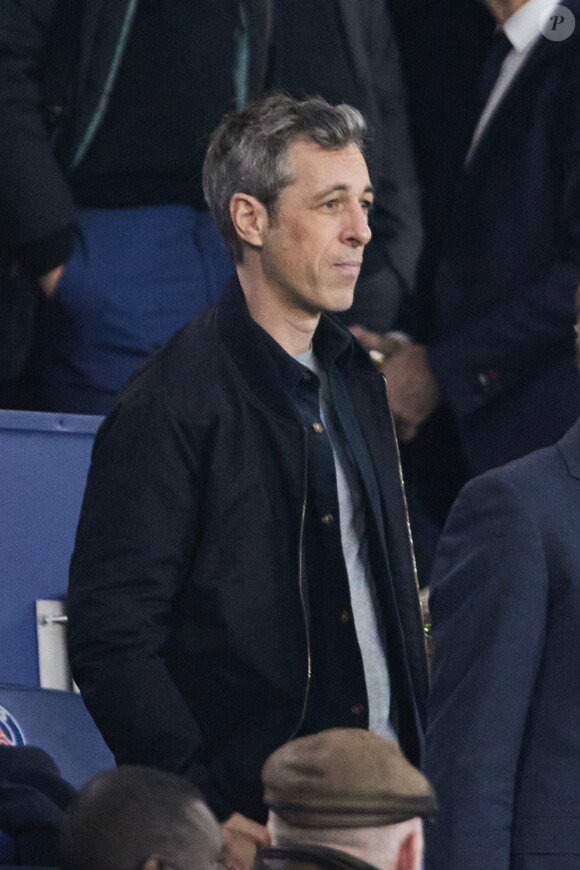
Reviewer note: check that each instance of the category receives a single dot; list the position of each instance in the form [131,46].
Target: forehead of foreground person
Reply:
[137,817]
[345,778]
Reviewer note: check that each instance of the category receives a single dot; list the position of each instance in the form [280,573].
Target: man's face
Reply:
[312,248]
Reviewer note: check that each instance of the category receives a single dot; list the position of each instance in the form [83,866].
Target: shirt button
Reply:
[344,617]
[327,519]
[357,709]
[318,427]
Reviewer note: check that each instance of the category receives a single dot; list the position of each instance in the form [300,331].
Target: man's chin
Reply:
[329,299]
[340,301]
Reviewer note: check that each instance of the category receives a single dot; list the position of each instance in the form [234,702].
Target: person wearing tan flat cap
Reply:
[344,799]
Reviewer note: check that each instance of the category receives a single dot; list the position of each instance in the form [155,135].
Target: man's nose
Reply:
[357,230]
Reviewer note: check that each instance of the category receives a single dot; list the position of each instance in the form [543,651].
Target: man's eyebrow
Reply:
[341,188]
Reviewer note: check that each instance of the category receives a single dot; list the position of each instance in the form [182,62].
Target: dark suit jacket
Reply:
[503,352]
[504,717]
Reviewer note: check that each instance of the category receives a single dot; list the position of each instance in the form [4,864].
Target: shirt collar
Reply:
[330,341]
[523,28]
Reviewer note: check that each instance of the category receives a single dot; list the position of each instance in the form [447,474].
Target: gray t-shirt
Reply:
[370,634]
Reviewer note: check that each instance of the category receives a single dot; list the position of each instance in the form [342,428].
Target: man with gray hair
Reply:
[344,799]
[243,571]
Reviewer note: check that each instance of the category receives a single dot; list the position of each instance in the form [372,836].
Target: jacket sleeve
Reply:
[489,606]
[134,546]
[513,342]
[390,260]
[37,212]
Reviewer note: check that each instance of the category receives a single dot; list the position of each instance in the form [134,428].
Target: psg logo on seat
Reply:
[11,734]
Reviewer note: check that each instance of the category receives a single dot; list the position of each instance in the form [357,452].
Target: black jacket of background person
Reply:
[58,64]
[307,858]
[188,602]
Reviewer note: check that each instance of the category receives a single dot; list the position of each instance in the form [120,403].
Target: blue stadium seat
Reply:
[57,722]
[44,460]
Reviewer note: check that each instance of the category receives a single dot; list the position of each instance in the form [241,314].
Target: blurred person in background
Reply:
[105,114]
[138,818]
[503,739]
[492,373]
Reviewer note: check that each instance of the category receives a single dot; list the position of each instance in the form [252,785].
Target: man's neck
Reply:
[504,9]
[291,328]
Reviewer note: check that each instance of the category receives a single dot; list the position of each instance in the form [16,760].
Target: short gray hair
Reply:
[248,152]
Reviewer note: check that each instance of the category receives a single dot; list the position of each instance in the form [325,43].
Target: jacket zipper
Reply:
[407,521]
[301,590]
[97,117]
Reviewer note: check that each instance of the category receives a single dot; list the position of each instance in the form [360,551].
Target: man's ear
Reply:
[155,862]
[250,218]
[410,852]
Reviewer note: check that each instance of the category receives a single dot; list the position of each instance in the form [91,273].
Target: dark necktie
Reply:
[500,48]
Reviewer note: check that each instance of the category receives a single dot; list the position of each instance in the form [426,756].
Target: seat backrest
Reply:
[44,459]
[57,722]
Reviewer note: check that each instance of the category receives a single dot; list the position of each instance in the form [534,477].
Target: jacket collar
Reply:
[569,447]
[260,17]
[317,856]
[264,365]
[355,39]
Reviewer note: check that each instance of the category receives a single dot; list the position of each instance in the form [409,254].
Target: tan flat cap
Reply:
[345,778]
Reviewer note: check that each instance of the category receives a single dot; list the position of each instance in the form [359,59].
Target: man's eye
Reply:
[330,204]
[367,205]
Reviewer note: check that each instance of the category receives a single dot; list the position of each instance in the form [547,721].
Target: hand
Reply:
[50,281]
[386,343]
[411,389]
[367,338]
[242,838]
